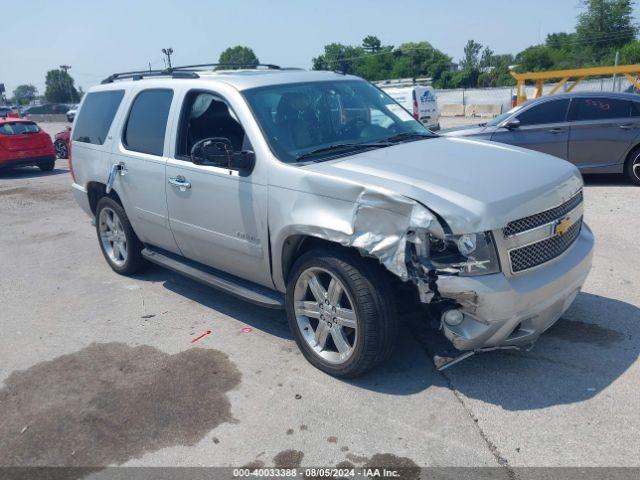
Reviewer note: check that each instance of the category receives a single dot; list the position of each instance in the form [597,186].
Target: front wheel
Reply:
[341,312]
[61,149]
[118,242]
[632,167]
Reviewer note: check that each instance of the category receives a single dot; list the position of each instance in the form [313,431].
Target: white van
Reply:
[418,100]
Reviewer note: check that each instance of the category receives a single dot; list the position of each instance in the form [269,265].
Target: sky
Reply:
[98,38]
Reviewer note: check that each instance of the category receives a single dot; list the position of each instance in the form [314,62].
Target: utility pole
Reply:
[168,52]
[615,79]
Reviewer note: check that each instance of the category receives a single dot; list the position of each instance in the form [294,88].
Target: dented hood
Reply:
[474,185]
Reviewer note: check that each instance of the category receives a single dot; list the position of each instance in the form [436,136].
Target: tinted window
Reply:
[147,122]
[96,116]
[599,108]
[554,111]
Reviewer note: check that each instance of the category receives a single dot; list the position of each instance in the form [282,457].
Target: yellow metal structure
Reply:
[574,76]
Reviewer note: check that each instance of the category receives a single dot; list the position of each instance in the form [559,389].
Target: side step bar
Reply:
[225,282]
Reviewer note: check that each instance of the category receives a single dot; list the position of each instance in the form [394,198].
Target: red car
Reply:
[22,143]
[62,143]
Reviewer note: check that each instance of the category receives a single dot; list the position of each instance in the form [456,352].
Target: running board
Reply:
[225,282]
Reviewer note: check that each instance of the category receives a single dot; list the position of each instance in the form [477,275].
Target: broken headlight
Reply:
[468,254]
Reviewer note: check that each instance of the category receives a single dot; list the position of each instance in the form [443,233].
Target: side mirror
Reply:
[512,124]
[218,151]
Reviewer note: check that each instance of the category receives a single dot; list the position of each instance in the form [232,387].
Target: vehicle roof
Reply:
[15,120]
[619,95]
[241,79]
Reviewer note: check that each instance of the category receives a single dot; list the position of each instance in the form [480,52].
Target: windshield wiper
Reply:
[341,146]
[407,136]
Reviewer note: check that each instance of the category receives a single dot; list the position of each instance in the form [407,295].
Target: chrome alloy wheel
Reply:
[635,168]
[61,149]
[325,315]
[112,236]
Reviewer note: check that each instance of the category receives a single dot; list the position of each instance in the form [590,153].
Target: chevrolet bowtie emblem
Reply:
[562,226]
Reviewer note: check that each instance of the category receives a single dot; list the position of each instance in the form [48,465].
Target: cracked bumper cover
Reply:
[512,311]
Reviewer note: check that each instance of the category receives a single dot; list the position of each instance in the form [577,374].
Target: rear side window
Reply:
[599,108]
[95,117]
[554,111]
[147,122]
[18,128]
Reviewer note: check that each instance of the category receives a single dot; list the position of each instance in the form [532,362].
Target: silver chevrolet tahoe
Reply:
[316,193]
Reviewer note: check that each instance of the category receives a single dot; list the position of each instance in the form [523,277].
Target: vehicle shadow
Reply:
[606,179]
[581,355]
[273,322]
[30,172]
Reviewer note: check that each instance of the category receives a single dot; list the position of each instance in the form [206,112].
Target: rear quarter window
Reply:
[599,108]
[96,116]
[147,123]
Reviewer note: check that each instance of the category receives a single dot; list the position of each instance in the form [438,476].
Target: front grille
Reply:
[540,252]
[542,218]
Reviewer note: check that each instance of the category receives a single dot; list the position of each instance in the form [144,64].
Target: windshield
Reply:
[301,118]
[502,117]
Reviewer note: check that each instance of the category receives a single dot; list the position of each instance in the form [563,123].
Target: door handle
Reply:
[626,126]
[116,168]
[180,182]
[556,130]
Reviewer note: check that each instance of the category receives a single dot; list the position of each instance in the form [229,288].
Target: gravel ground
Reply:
[99,369]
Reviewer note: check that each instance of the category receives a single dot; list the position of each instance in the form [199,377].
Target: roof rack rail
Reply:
[139,75]
[267,66]
[185,71]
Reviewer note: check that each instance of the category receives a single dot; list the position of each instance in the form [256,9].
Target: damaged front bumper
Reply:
[502,311]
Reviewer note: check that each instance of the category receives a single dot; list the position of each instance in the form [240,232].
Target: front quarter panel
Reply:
[373,220]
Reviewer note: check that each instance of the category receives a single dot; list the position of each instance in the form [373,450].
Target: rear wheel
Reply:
[47,165]
[119,244]
[61,149]
[632,167]
[341,312]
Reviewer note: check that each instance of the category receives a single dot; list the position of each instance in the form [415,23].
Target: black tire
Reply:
[61,149]
[632,167]
[47,165]
[368,285]
[134,261]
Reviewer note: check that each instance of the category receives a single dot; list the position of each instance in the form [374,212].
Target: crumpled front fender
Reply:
[377,223]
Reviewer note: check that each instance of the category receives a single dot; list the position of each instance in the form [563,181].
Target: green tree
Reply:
[419,59]
[60,87]
[470,60]
[561,41]
[371,44]
[377,67]
[630,53]
[534,59]
[606,25]
[238,57]
[337,56]
[25,94]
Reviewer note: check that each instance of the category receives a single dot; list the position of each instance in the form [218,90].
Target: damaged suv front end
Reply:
[503,288]
[491,237]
